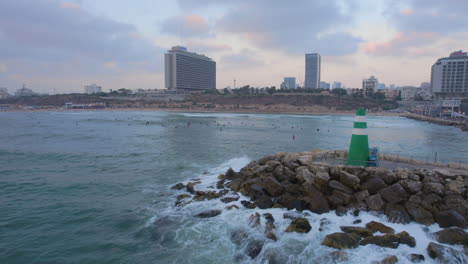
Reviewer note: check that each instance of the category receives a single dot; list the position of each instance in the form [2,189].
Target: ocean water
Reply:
[94,187]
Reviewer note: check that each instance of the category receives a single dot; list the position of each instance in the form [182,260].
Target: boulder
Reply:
[254,247]
[455,187]
[411,186]
[300,225]
[394,193]
[220,184]
[324,223]
[292,188]
[271,165]
[279,174]
[350,180]
[375,202]
[264,202]
[360,231]
[361,196]
[344,198]
[387,240]
[432,187]
[320,180]
[341,240]
[264,160]
[397,214]
[232,206]
[318,203]
[338,256]
[445,254]
[234,185]
[191,187]
[416,258]
[373,185]
[336,185]
[419,214]
[273,187]
[388,176]
[231,174]
[269,217]
[248,204]
[209,213]
[303,174]
[406,239]
[254,220]
[290,202]
[449,218]
[239,236]
[453,235]
[178,186]
[389,260]
[379,227]
[229,199]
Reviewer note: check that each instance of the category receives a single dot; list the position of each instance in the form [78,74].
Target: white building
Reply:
[312,70]
[409,93]
[449,76]
[336,85]
[189,71]
[370,85]
[92,89]
[289,83]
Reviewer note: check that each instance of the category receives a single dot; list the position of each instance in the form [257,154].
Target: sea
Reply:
[95,187]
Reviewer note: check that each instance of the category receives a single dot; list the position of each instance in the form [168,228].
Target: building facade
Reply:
[92,89]
[24,92]
[312,70]
[449,76]
[188,71]
[336,85]
[289,83]
[370,85]
[324,85]
[4,93]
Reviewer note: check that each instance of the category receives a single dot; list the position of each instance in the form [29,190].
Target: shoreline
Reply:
[444,122]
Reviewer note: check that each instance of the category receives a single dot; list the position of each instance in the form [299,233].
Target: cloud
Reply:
[186,26]
[3,68]
[244,58]
[58,34]
[207,46]
[431,16]
[402,44]
[304,26]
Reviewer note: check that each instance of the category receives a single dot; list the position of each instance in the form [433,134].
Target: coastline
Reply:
[462,125]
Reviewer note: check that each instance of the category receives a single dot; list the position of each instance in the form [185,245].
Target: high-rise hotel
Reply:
[312,70]
[449,76]
[188,71]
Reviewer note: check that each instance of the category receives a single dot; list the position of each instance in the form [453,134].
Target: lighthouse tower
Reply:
[358,153]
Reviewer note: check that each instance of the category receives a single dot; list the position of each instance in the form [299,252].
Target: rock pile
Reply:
[423,195]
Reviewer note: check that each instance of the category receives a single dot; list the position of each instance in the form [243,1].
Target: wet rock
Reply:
[341,197]
[178,186]
[324,223]
[271,235]
[264,202]
[419,214]
[350,180]
[360,231]
[264,160]
[231,174]
[229,199]
[449,218]
[416,258]
[293,189]
[397,214]
[221,177]
[432,187]
[300,225]
[254,220]
[291,215]
[412,186]
[248,204]
[453,235]
[341,240]
[220,184]
[389,260]
[269,217]
[340,211]
[191,187]
[379,227]
[320,180]
[180,199]
[394,193]
[375,202]
[336,185]
[273,187]
[455,187]
[445,254]
[373,185]
[361,196]
[388,176]
[303,174]
[232,206]
[318,203]
[234,185]
[357,221]
[254,247]
[209,213]
[406,239]
[271,165]
[387,240]
[289,201]
[239,236]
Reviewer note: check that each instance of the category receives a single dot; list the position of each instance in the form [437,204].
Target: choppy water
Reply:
[94,187]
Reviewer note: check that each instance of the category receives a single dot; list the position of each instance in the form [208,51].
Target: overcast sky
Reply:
[63,45]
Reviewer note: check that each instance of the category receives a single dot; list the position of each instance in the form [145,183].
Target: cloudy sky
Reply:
[65,44]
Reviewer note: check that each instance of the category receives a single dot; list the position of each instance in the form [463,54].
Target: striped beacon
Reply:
[358,153]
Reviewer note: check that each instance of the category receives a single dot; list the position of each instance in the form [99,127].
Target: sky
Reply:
[58,46]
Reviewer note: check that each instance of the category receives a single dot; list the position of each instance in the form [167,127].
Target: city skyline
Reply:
[62,45]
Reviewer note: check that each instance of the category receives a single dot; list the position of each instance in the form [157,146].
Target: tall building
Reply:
[24,92]
[370,85]
[382,86]
[189,71]
[324,85]
[92,88]
[449,76]
[336,85]
[289,83]
[4,93]
[312,70]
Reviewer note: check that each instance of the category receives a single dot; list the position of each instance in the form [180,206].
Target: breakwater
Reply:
[462,125]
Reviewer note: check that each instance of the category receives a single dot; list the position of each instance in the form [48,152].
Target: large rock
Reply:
[336,185]
[432,187]
[290,202]
[387,240]
[254,220]
[375,202]
[393,193]
[405,238]
[231,174]
[254,247]
[264,202]
[397,214]
[389,260]
[300,225]
[178,186]
[379,227]
[361,196]
[271,165]
[416,258]
[360,231]
[445,254]
[341,240]
[388,176]
[455,187]
[273,187]
[239,236]
[350,180]
[449,218]
[303,174]
[419,214]
[373,185]
[191,186]
[411,186]
[209,213]
[453,235]
[317,202]
[229,199]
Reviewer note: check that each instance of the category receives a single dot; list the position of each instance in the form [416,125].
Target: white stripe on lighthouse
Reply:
[360,131]
[360,119]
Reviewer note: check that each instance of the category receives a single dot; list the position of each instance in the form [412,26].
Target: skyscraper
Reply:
[289,83]
[189,71]
[312,70]
[449,76]
[370,85]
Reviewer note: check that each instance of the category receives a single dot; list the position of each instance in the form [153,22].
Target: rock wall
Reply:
[404,195]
